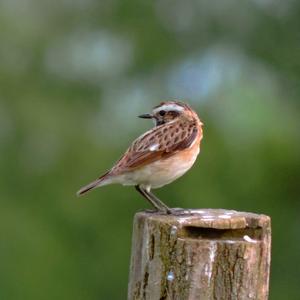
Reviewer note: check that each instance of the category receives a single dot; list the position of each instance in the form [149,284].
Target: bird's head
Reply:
[170,111]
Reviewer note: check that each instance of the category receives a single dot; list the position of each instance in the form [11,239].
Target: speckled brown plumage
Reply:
[169,139]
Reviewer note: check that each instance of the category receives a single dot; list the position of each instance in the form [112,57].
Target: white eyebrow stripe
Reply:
[168,107]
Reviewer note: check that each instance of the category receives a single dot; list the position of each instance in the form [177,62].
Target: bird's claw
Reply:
[178,211]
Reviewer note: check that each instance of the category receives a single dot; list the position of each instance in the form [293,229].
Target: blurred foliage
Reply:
[73,76]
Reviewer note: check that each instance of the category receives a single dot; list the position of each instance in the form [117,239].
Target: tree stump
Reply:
[201,254]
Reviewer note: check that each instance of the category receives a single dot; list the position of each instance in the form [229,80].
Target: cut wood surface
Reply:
[200,254]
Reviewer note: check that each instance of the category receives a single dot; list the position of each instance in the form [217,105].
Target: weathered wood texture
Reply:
[203,254]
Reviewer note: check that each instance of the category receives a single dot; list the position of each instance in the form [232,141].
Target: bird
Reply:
[160,155]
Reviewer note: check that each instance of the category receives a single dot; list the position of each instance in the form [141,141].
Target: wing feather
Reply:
[159,143]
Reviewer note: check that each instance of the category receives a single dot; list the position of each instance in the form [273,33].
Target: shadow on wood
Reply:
[201,254]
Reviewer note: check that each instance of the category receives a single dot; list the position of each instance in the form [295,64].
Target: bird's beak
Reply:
[146,116]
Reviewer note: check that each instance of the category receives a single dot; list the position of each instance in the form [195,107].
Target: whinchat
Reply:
[160,155]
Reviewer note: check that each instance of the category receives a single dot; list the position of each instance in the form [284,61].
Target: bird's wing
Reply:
[158,143]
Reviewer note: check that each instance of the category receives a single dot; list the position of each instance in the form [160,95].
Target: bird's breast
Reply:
[163,171]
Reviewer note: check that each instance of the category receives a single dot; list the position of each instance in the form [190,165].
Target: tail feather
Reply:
[98,182]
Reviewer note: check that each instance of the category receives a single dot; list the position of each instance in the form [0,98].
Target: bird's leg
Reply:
[153,200]
[142,192]
[170,211]
[164,207]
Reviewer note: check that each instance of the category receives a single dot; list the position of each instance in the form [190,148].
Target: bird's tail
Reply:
[103,180]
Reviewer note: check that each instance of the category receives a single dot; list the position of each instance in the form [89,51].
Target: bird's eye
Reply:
[162,113]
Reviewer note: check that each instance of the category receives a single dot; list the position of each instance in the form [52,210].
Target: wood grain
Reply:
[202,254]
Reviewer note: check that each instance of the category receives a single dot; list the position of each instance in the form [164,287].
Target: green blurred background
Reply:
[73,77]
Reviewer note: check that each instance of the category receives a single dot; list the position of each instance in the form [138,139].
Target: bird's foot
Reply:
[178,211]
[170,211]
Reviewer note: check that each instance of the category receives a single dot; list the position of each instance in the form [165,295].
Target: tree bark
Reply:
[201,254]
